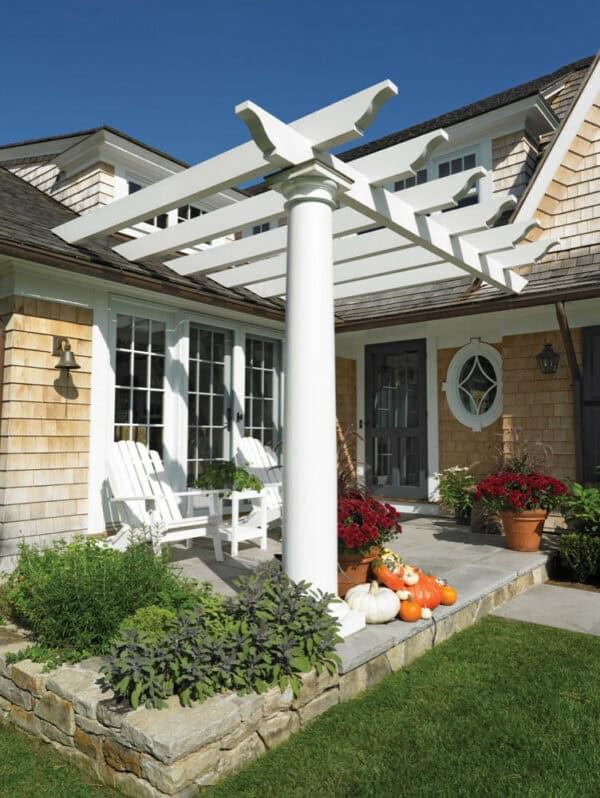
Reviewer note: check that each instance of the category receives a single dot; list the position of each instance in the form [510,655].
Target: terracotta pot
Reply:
[355,569]
[523,530]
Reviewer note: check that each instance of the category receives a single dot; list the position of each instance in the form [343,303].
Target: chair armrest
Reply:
[135,499]
[198,492]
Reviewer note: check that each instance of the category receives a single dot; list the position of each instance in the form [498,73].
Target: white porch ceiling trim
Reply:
[417,243]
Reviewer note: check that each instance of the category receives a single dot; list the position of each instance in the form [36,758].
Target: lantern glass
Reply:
[548,360]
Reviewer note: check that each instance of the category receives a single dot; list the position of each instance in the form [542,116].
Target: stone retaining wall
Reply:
[149,753]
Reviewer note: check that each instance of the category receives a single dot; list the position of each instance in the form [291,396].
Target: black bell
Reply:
[67,358]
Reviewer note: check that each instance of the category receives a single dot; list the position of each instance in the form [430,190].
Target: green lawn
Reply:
[31,769]
[503,709]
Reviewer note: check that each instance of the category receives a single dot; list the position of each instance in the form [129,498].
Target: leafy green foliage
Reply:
[150,621]
[580,554]
[269,633]
[454,484]
[227,476]
[73,596]
[581,508]
[50,657]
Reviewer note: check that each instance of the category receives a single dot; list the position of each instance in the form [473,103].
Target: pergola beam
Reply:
[341,122]
[440,195]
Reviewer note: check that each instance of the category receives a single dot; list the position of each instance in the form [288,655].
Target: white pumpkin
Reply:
[379,604]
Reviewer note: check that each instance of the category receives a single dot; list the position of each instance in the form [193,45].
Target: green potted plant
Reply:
[456,486]
[364,525]
[523,502]
[226,476]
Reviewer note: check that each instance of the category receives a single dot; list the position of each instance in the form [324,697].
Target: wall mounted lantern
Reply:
[66,359]
[548,360]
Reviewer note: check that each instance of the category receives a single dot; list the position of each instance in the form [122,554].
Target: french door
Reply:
[396,419]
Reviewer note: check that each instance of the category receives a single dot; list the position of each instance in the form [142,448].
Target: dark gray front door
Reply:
[396,420]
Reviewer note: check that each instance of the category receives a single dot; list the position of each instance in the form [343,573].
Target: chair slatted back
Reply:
[253,453]
[261,461]
[135,471]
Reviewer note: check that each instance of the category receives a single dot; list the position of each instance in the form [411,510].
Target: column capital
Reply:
[312,181]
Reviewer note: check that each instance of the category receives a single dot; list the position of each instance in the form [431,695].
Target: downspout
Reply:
[576,384]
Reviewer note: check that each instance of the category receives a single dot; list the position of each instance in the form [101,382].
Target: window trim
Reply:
[451,388]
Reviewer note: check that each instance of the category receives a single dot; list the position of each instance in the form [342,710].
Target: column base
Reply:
[351,621]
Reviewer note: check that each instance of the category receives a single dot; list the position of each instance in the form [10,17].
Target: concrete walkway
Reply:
[561,607]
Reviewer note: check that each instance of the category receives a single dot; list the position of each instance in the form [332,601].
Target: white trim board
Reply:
[560,146]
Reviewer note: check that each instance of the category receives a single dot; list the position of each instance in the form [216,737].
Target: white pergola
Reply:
[319,257]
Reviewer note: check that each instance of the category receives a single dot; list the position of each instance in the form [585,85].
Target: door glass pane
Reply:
[262,419]
[139,343]
[208,397]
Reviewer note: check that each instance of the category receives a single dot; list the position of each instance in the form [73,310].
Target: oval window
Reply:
[473,385]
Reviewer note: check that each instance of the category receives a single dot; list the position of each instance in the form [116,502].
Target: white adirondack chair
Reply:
[144,497]
[261,461]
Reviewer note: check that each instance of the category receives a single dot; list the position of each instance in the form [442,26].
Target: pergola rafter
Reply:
[346,235]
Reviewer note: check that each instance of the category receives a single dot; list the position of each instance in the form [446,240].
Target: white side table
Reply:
[251,526]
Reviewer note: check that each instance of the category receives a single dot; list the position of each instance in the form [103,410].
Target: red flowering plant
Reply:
[509,490]
[364,522]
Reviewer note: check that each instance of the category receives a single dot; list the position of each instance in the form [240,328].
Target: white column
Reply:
[310,487]
[309,431]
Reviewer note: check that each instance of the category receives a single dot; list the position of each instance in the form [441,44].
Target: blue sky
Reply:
[171,72]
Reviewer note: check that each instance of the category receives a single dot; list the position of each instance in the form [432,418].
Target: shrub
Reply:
[580,554]
[581,508]
[75,595]
[151,621]
[227,476]
[267,634]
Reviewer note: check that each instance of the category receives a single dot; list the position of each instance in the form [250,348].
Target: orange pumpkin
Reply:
[410,611]
[390,578]
[435,591]
[426,592]
[449,594]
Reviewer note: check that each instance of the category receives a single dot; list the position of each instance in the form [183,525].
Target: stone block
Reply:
[10,692]
[24,720]
[171,779]
[486,605]
[174,732]
[417,645]
[319,705]
[313,685]
[377,669]
[464,618]
[248,750]
[354,682]
[89,744]
[111,714]
[28,676]
[51,732]
[57,711]
[90,725]
[275,701]
[278,728]
[80,687]
[119,757]
[396,657]
[4,705]
[134,787]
